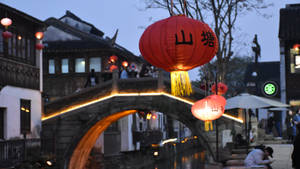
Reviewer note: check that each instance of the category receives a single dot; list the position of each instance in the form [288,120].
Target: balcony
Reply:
[18,74]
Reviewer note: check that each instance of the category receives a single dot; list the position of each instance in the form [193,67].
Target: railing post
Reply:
[115,78]
[160,85]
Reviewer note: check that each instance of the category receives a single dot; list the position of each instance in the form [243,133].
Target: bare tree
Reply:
[222,15]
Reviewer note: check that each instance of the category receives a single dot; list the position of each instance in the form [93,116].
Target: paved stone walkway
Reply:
[282,155]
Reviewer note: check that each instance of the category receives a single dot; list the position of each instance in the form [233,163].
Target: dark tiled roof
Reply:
[76,32]
[289,27]
[58,46]
[94,30]
[76,44]
[88,41]
[6,9]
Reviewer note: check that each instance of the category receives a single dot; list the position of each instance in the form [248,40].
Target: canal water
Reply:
[191,159]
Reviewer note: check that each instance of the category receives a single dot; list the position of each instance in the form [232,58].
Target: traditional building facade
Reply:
[20,76]
[73,48]
[289,38]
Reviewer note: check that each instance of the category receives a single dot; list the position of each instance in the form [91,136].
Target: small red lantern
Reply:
[178,44]
[125,64]
[6,35]
[6,22]
[208,109]
[39,35]
[113,58]
[113,67]
[154,116]
[39,46]
[222,88]
[296,46]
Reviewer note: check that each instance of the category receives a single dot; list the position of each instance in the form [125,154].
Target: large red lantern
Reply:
[6,34]
[178,44]
[222,88]
[210,108]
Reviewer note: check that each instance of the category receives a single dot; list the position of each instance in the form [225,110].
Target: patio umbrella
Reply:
[248,101]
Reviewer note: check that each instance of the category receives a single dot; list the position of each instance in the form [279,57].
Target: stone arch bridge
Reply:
[75,122]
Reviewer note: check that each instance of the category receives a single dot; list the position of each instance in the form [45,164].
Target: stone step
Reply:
[239,151]
[238,156]
[234,163]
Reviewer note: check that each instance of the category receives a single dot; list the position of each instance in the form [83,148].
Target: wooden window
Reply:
[51,66]
[65,65]
[1,123]
[25,111]
[79,65]
[95,63]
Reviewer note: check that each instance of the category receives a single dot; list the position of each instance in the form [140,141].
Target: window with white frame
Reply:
[79,65]
[51,66]
[65,65]
[95,63]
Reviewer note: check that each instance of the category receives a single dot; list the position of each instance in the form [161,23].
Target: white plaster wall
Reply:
[10,100]
[100,142]
[126,133]
[54,34]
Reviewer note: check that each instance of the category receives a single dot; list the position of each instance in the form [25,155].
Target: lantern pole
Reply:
[217,130]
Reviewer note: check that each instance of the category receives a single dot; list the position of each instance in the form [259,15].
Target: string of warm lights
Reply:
[75,107]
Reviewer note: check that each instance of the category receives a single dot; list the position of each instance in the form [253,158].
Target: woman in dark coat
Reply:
[296,151]
[290,126]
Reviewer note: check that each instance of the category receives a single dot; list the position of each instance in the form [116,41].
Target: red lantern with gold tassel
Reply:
[210,108]
[178,44]
[222,88]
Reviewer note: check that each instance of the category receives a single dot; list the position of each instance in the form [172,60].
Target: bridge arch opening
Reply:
[82,151]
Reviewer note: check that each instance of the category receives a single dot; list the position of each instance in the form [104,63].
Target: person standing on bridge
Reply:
[259,158]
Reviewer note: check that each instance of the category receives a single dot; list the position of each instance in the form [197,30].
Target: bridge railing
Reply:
[13,151]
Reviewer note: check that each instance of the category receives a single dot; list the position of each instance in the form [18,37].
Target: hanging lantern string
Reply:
[184,8]
[172,5]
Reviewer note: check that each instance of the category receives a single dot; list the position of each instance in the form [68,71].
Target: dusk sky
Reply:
[127,16]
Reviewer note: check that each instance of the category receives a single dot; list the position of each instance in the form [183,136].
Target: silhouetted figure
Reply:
[239,141]
[290,126]
[92,79]
[256,48]
[270,124]
[144,71]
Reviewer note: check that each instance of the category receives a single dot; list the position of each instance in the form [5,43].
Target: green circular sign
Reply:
[270,88]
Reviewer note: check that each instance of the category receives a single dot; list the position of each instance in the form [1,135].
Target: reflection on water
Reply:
[187,160]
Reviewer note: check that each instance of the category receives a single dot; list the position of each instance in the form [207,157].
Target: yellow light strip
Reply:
[169,140]
[233,118]
[127,94]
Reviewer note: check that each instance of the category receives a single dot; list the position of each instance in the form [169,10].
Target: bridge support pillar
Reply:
[115,77]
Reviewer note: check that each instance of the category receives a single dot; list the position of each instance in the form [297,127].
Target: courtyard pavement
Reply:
[282,155]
